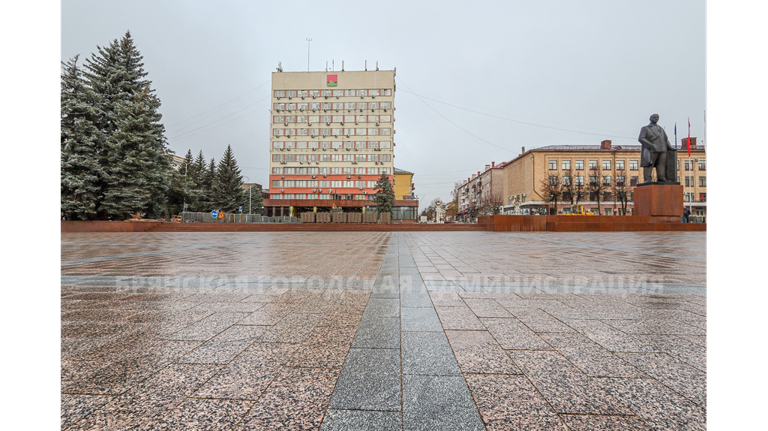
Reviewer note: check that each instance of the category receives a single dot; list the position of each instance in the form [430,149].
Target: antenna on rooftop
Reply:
[309,41]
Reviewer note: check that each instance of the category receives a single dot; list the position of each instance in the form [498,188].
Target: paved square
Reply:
[372,330]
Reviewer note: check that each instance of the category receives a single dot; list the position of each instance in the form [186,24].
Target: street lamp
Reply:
[248,180]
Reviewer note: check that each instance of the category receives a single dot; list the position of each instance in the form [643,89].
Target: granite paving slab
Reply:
[403,330]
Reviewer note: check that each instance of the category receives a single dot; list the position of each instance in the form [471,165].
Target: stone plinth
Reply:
[663,202]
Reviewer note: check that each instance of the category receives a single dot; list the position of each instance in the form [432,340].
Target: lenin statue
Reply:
[655,146]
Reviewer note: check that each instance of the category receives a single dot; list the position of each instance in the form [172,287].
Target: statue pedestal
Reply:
[663,202]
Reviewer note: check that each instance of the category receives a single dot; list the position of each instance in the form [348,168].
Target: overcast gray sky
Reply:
[476,81]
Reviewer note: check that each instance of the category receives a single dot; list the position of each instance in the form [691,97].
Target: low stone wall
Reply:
[565,223]
[124,226]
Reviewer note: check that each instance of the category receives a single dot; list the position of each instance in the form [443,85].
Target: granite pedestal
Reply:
[662,201]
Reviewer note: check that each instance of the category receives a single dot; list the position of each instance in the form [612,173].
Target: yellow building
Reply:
[403,185]
[614,166]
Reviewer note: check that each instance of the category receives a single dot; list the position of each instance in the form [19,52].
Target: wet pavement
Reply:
[370,330]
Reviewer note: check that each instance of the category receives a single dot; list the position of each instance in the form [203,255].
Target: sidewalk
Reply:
[379,330]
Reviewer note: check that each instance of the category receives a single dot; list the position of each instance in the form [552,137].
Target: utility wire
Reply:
[512,120]
[220,106]
[446,119]
[188,133]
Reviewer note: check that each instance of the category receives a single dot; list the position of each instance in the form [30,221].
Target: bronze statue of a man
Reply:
[654,152]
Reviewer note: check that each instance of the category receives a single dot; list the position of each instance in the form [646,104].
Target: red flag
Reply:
[689,137]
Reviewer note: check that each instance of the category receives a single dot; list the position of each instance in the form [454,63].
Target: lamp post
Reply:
[247,181]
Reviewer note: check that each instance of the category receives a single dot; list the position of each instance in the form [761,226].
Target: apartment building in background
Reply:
[331,138]
[481,191]
[613,166]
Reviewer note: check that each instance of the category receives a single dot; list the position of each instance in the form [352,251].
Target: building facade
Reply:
[480,192]
[331,139]
[616,168]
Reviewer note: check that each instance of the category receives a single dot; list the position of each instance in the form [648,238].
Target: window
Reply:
[632,181]
[553,180]
[606,180]
[335,183]
[619,165]
[702,181]
[677,164]
[689,165]
[688,197]
[593,164]
[579,165]
[702,165]
[552,165]
[607,165]
[566,180]
[702,197]
[607,196]
[592,180]
[608,211]
[279,93]
[633,165]
[620,180]
[566,165]
[688,181]
[579,180]
[276,183]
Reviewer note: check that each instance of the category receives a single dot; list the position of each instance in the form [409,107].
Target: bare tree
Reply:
[597,186]
[490,204]
[622,190]
[552,191]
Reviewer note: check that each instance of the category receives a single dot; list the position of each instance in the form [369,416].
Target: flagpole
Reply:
[690,199]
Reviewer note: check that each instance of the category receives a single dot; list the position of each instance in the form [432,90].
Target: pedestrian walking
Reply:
[686,214]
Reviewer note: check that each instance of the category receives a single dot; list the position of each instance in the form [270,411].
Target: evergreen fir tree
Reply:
[197,173]
[228,193]
[136,164]
[256,201]
[179,190]
[81,146]
[139,166]
[385,195]
[209,177]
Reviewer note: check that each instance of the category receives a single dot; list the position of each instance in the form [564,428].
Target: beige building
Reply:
[331,138]
[481,191]
[611,165]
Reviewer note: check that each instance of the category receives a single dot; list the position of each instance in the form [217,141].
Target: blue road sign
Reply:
[241,208]
[214,214]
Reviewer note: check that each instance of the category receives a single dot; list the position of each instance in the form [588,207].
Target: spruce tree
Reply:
[197,173]
[81,146]
[179,190]
[209,177]
[256,202]
[136,164]
[228,193]
[385,195]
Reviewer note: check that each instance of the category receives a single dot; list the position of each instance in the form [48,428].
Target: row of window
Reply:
[312,157]
[620,166]
[384,131]
[323,196]
[689,197]
[690,182]
[330,171]
[374,92]
[579,180]
[360,145]
[620,180]
[324,184]
[331,106]
[309,119]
